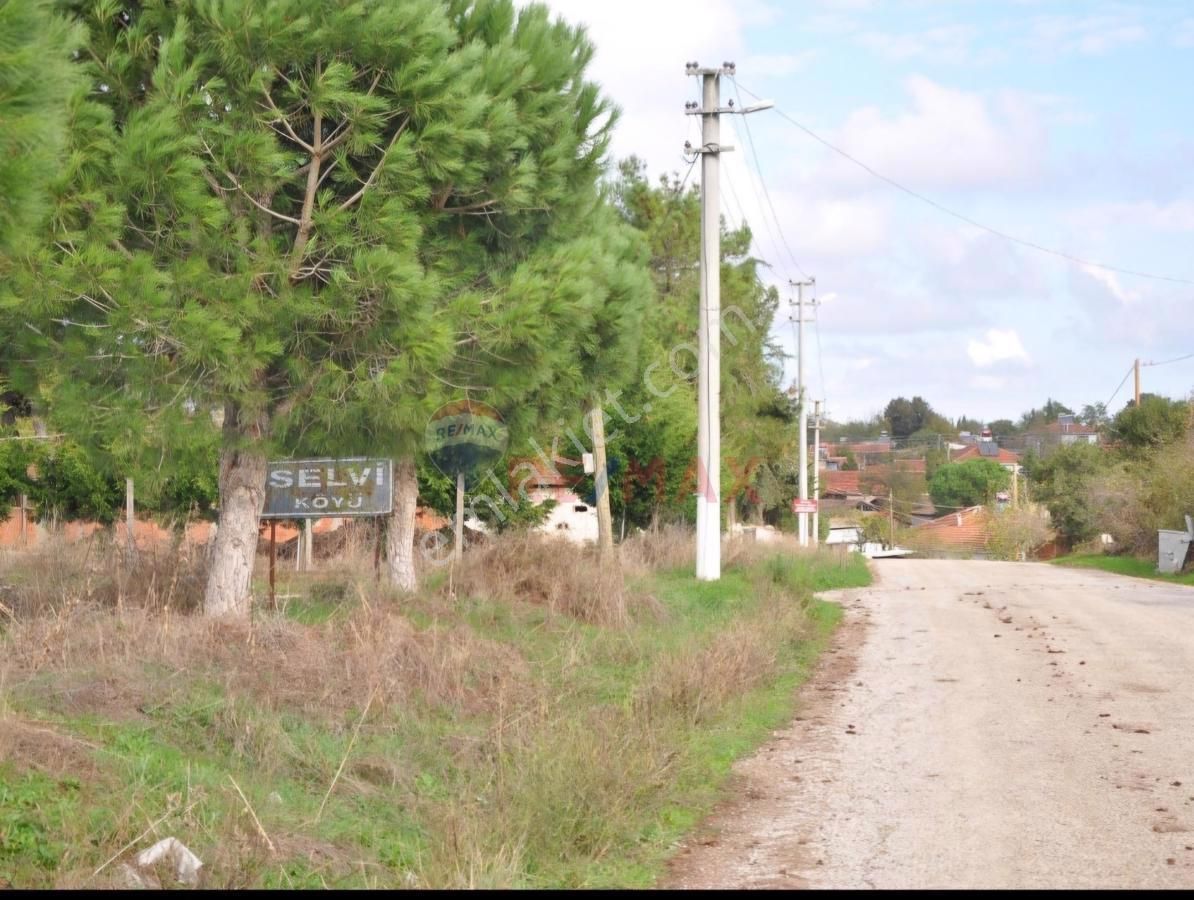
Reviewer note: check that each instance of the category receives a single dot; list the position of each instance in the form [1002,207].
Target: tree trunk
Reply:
[605,520]
[242,494]
[731,515]
[400,536]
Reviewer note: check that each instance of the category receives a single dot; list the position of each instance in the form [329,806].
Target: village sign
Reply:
[314,488]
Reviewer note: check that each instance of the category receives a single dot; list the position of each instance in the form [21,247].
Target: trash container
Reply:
[1171,550]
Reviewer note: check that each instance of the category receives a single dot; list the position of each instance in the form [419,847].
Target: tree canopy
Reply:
[971,483]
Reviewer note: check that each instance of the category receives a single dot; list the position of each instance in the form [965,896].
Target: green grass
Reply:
[582,770]
[1123,565]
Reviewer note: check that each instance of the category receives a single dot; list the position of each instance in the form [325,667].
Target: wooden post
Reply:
[273,561]
[458,550]
[128,512]
[23,521]
[377,549]
[1137,366]
[308,539]
[605,523]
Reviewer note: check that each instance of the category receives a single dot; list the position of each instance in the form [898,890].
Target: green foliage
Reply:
[906,417]
[652,432]
[321,218]
[971,483]
[1155,422]
[1003,428]
[851,463]
[1060,482]
[935,458]
[1123,565]
[36,80]
[1035,418]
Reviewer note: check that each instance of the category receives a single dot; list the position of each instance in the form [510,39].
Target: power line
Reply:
[1168,361]
[964,218]
[767,194]
[1127,375]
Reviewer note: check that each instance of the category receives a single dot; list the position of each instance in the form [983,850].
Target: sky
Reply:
[1063,124]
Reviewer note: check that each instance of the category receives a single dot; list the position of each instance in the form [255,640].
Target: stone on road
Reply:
[977,725]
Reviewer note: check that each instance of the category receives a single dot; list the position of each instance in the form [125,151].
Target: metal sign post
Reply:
[273,561]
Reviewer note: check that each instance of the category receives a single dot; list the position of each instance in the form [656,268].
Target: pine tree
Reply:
[36,80]
[310,216]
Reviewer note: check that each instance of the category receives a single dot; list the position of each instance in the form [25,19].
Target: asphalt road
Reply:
[977,724]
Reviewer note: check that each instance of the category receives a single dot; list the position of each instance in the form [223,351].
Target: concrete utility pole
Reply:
[708,536]
[817,472]
[891,515]
[1137,380]
[802,518]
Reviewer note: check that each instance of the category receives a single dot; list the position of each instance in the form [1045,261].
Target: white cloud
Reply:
[945,43]
[1085,35]
[1000,346]
[1110,281]
[641,49]
[949,138]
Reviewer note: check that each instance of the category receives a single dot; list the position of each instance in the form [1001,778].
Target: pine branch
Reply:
[285,123]
[306,221]
[221,190]
[376,169]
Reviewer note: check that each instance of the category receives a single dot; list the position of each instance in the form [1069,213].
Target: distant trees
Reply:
[1155,422]
[969,483]
[1095,415]
[1003,428]
[1060,481]
[1050,412]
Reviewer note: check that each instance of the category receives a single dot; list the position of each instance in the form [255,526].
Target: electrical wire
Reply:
[1168,361]
[1127,375]
[964,218]
[762,182]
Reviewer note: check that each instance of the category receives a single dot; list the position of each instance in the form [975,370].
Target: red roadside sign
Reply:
[804,506]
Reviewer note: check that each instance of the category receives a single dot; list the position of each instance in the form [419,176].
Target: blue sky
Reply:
[1067,124]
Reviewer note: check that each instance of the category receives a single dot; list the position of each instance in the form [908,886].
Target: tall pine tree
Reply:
[308,215]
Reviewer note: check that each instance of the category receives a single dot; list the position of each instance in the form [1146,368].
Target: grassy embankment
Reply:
[1123,565]
[537,722]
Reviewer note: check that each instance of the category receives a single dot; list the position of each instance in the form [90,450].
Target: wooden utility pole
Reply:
[23,521]
[605,520]
[458,549]
[1137,367]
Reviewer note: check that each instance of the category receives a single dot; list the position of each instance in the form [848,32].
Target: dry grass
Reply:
[101,572]
[547,571]
[668,547]
[520,726]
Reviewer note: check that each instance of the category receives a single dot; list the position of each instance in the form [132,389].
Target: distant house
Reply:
[1009,459]
[964,532]
[1061,433]
[573,517]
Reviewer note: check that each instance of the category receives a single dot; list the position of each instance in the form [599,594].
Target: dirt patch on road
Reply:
[759,837]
